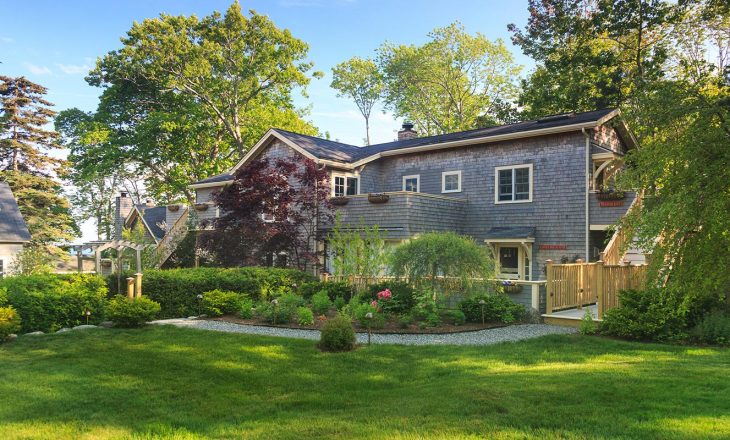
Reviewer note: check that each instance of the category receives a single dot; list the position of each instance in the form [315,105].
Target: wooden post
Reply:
[599,288]
[581,283]
[98,262]
[130,288]
[138,285]
[79,260]
[549,287]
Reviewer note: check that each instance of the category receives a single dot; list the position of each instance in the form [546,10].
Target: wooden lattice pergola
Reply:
[134,284]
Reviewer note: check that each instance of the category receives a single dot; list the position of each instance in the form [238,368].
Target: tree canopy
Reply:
[27,166]
[360,80]
[185,97]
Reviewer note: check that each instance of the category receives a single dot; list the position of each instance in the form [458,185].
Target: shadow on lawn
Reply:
[165,381]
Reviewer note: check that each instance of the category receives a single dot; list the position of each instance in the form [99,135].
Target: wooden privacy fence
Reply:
[580,284]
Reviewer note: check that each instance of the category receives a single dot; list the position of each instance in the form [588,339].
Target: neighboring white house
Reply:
[13,231]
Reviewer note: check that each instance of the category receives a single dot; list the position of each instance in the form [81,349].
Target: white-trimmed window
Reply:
[451,181]
[412,183]
[345,185]
[513,262]
[513,184]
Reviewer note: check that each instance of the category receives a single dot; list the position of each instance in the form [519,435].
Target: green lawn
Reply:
[181,383]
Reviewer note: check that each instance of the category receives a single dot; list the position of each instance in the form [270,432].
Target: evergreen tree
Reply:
[26,164]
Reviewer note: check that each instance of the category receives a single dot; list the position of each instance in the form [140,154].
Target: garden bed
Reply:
[391,326]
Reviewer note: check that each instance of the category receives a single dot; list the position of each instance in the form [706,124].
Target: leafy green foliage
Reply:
[587,325]
[360,312]
[647,315]
[321,303]
[446,254]
[245,310]
[50,302]
[403,296]
[176,289]
[713,329]
[24,146]
[334,289]
[281,312]
[305,316]
[9,322]
[339,303]
[360,251]
[126,312]
[185,97]
[337,334]
[457,317]
[360,80]
[455,81]
[497,308]
[220,302]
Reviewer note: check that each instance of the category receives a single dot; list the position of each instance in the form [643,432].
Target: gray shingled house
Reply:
[13,230]
[529,190]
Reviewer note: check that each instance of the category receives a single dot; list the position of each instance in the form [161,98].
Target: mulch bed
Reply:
[391,327]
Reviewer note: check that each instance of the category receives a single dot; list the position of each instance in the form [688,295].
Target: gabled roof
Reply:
[152,217]
[349,156]
[12,226]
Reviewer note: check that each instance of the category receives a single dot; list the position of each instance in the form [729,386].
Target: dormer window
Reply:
[345,185]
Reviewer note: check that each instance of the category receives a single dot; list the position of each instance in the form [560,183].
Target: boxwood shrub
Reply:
[497,308]
[125,312]
[9,322]
[176,289]
[337,334]
[49,302]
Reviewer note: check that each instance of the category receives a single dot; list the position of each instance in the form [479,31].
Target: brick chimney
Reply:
[407,132]
[123,207]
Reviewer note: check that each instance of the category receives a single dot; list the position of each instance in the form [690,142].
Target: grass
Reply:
[165,382]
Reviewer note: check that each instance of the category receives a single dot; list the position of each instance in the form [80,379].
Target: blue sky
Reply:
[55,43]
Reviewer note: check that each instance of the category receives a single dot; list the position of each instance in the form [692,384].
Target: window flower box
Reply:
[378,198]
[201,206]
[610,195]
[340,201]
[511,288]
[173,208]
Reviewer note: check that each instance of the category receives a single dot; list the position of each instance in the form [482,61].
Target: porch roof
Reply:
[511,233]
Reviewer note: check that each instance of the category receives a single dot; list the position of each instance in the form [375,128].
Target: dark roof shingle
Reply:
[12,226]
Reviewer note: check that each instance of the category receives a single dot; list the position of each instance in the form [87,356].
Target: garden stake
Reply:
[200,303]
[87,313]
[481,304]
[369,316]
[274,302]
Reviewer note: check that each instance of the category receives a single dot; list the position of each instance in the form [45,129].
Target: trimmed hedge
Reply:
[176,289]
[130,313]
[49,302]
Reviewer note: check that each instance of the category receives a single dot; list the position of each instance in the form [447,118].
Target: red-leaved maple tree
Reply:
[271,213]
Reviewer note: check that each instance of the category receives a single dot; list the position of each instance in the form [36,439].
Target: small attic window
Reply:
[559,117]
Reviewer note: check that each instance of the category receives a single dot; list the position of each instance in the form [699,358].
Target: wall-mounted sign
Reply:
[553,247]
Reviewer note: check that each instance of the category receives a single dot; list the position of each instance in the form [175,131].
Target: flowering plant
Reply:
[385,294]
[507,283]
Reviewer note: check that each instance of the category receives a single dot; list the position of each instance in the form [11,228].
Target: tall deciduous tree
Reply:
[360,80]
[272,208]
[28,168]
[591,54]
[454,82]
[185,97]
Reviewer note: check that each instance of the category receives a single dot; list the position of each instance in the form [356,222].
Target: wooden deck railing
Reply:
[621,240]
[172,239]
[579,284]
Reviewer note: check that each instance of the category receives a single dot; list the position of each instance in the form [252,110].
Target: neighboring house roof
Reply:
[348,156]
[12,226]
[520,232]
[152,217]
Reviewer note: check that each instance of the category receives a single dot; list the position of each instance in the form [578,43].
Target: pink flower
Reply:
[374,303]
[385,294]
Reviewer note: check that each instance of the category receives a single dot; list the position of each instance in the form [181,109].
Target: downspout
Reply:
[587,195]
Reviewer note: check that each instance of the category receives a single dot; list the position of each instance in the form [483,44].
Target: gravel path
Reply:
[480,337]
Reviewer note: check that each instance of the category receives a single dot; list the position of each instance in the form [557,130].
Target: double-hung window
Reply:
[451,181]
[513,184]
[343,185]
[412,183]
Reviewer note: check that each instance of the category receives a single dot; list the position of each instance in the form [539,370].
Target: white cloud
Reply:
[38,70]
[72,69]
